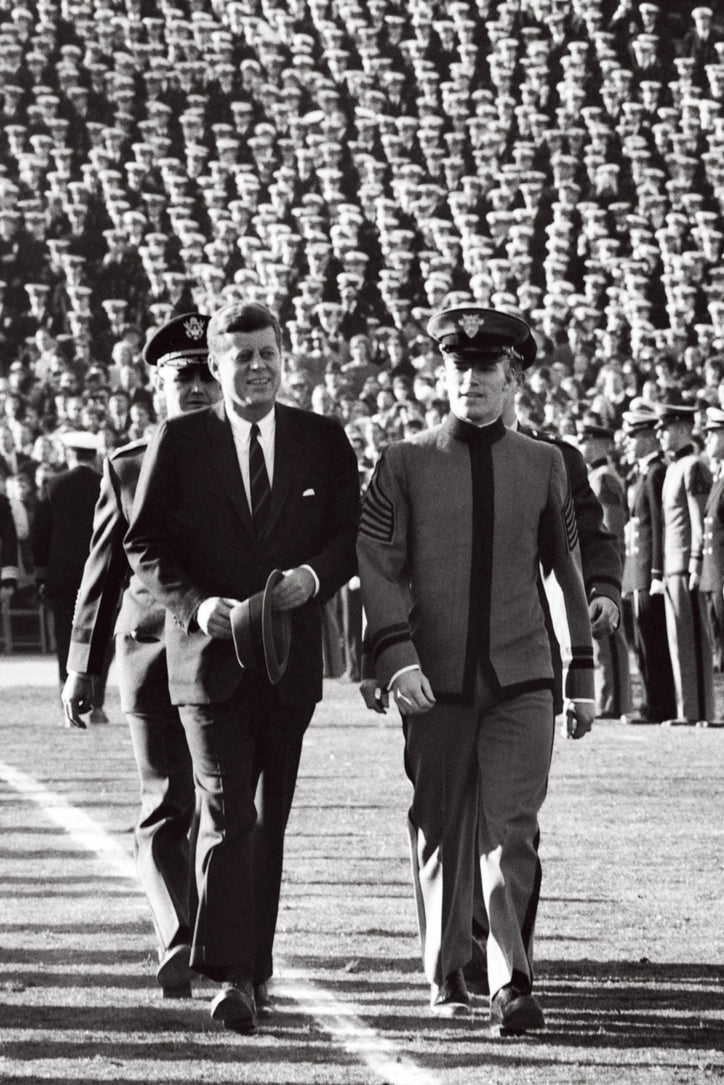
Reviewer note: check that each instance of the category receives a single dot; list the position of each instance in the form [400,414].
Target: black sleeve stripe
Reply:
[569,522]
[398,627]
[378,513]
[390,642]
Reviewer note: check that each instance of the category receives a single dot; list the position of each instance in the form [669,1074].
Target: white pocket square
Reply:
[308,493]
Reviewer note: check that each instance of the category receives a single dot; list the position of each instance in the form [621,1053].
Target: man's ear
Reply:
[213,366]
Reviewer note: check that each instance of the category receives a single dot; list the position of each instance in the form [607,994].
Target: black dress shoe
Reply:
[174,973]
[515,1010]
[452,999]
[234,1007]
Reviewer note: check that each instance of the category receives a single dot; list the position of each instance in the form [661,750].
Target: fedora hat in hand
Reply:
[262,635]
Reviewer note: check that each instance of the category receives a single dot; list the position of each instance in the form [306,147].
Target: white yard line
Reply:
[339,1019]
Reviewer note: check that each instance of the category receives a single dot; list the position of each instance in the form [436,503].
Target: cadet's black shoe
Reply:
[234,1006]
[452,999]
[174,973]
[515,1010]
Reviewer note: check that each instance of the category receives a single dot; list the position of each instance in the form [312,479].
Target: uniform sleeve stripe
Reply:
[569,522]
[388,630]
[389,642]
[378,514]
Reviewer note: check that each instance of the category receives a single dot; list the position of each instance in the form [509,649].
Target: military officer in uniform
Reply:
[178,352]
[712,572]
[61,534]
[457,521]
[644,564]
[610,653]
[683,500]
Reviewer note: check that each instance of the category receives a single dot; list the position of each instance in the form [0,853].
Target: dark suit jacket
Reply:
[62,530]
[140,651]
[191,537]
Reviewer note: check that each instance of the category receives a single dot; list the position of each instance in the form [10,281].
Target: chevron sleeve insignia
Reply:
[378,513]
[569,522]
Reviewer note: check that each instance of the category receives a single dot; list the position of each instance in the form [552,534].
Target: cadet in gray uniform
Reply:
[683,498]
[644,566]
[458,520]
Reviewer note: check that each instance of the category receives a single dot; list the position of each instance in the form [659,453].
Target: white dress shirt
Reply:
[241,432]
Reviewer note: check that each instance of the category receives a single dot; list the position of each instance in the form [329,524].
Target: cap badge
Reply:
[471,323]
[194,328]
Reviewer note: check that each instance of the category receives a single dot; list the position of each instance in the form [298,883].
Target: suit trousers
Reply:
[480,774]
[652,655]
[166,829]
[690,649]
[245,754]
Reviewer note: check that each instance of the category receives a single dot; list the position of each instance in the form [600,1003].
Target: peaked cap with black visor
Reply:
[179,342]
[475,333]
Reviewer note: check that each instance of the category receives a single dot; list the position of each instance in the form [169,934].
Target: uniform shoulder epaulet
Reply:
[541,435]
[129,449]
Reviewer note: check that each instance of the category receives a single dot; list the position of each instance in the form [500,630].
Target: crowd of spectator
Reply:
[355,164]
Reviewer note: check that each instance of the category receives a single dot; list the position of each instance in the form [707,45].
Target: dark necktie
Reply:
[259,484]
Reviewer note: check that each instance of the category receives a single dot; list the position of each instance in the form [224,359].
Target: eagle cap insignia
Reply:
[471,323]
[194,328]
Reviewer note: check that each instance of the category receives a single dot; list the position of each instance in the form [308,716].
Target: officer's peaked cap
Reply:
[180,341]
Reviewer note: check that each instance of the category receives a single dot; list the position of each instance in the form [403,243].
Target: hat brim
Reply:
[262,636]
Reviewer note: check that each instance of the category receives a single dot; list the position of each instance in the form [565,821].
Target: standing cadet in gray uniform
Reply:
[683,498]
[712,572]
[644,566]
[179,353]
[610,653]
[458,520]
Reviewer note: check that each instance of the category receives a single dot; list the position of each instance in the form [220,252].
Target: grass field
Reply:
[630,939]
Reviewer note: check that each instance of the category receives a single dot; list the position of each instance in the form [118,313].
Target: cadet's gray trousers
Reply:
[479,774]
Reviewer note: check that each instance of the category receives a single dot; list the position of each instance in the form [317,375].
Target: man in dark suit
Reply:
[225,497]
[178,351]
[644,565]
[61,535]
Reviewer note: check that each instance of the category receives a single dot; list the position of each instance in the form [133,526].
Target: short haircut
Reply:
[240,316]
